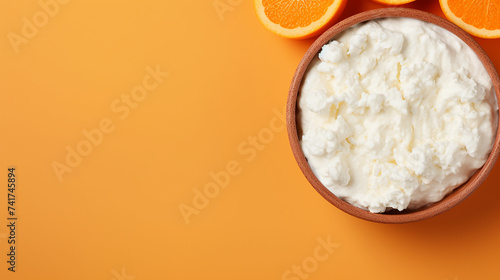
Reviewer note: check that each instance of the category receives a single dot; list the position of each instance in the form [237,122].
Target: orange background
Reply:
[119,208]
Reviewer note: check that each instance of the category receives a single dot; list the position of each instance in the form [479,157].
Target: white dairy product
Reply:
[395,114]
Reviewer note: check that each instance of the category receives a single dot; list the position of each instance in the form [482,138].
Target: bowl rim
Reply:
[451,199]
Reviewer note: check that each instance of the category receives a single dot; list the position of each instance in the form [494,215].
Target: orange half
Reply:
[298,19]
[480,18]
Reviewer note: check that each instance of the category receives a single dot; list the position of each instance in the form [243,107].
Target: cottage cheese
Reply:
[395,114]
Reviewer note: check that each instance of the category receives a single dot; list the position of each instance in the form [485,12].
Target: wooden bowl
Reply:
[393,216]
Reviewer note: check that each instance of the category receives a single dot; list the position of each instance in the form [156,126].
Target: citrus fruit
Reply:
[393,2]
[480,18]
[298,19]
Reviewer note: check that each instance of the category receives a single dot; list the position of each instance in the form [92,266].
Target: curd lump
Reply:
[395,114]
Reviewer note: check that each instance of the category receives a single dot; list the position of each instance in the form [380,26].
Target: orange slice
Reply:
[298,19]
[480,18]
[393,2]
